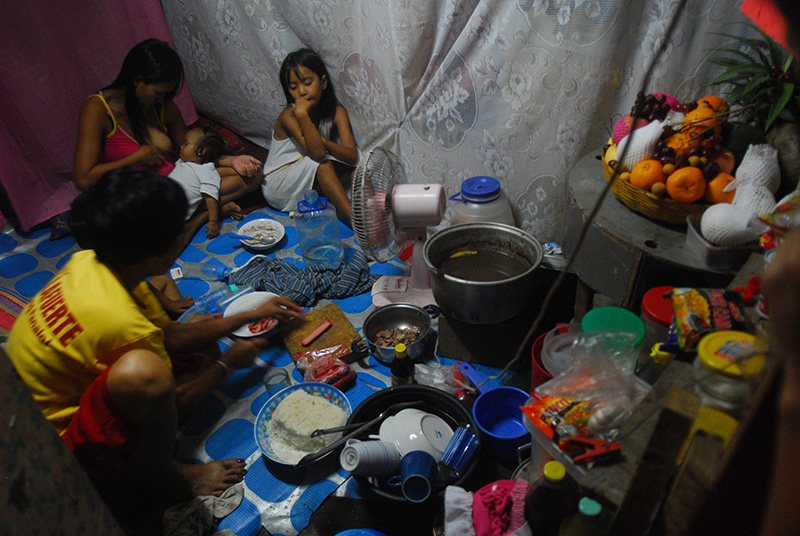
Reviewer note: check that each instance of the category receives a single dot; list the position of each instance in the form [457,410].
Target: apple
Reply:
[624,125]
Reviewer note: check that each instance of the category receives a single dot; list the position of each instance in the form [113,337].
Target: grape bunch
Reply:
[708,144]
[685,107]
[650,107]
[664,153]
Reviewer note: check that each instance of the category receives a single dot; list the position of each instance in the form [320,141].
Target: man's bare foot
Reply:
[231,209]
[213,478]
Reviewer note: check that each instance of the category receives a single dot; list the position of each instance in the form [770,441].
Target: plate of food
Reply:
[248,302]
[265,232]
[284,425]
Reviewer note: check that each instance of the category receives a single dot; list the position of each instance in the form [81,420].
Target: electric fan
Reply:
[386,215]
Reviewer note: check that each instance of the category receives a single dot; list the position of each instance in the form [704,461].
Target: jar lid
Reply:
[656,307]
[732,353]
[480,189]
[613,318]
[554,471]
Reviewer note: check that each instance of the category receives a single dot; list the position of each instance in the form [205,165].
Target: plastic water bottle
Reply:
[214,302]
[318,232]
[201,270]
[482,200]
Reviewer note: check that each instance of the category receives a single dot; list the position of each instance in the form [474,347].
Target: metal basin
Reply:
[394,316]
[482,273]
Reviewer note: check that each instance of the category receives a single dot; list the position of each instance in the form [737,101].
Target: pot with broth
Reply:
[482,273]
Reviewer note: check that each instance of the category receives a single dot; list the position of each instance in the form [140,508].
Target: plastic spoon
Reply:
[262,241]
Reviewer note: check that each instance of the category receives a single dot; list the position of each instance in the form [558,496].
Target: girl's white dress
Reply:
[289,172]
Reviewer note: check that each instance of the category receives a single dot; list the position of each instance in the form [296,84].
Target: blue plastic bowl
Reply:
[499,418]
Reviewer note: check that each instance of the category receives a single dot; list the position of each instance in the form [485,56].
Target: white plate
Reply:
[248,302]
[262,226]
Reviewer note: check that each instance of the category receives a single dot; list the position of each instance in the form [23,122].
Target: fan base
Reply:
[388,290]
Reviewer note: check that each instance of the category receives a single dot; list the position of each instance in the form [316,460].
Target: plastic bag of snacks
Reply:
[700,311]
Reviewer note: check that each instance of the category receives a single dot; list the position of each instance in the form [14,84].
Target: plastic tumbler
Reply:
[458,454]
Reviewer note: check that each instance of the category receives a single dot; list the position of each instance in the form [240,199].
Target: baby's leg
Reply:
[233,186]
[332,187]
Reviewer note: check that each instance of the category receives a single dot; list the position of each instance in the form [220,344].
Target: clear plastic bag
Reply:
[438,376]
[601,374]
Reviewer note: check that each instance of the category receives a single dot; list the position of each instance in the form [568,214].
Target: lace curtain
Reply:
[515,89]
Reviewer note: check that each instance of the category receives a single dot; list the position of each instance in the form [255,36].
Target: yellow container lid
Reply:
[732,353]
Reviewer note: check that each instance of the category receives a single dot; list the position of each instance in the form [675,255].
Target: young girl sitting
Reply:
[311,132]
[197,174]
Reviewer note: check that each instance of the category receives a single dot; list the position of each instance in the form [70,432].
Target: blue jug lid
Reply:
[312,202]
[480,189]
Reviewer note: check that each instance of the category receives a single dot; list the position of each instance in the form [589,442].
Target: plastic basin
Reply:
[499,418]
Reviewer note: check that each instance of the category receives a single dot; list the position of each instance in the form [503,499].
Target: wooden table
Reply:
[625,253]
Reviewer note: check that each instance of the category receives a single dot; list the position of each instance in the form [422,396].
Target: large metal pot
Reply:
[482,273]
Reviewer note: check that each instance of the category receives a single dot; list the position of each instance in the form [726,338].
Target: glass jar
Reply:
[726,368]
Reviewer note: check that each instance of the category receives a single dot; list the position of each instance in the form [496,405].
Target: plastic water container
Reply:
[318,232]
[201,270]
[482,200]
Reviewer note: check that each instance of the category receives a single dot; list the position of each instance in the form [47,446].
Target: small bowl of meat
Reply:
[390,325]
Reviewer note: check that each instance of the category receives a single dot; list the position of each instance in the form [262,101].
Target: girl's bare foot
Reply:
[231,209]
[195,480]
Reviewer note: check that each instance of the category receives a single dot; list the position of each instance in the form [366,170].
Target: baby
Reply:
[196,172]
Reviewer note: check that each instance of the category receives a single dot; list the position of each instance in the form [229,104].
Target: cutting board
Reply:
[340,332]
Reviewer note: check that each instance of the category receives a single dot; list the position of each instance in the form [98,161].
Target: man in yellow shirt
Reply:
[95,345]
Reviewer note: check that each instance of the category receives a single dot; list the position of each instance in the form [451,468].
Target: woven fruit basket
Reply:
[658,208]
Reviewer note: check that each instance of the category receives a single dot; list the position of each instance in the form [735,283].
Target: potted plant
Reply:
[765,93]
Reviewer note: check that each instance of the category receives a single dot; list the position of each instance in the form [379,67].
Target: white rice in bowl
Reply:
[295,417]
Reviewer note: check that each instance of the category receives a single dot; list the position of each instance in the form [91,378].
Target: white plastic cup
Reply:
[370,458]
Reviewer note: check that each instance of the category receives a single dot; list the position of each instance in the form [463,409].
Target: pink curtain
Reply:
[54,55]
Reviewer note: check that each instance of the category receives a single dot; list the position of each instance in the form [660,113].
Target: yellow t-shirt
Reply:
[76,327]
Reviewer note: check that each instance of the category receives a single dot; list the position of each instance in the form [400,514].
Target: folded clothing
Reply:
[306,285]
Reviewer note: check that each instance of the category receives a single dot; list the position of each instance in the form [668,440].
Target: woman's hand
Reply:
[246,165]
[150,155]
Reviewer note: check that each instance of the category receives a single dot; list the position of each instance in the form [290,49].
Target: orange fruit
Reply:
[715,189]
[646,173]
[686,184]
[680,142]
[701,119]
[715,103]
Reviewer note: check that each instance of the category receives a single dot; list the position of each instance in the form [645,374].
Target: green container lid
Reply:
[613,319]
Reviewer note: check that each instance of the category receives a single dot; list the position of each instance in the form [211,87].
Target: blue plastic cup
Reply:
[417,470]
[458,454]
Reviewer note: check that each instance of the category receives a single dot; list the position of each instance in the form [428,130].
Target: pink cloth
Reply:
[499,508]
[54,56]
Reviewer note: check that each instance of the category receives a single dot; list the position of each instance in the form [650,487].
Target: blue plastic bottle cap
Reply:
[480,189]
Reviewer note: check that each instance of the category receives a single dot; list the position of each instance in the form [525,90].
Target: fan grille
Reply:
[373,223]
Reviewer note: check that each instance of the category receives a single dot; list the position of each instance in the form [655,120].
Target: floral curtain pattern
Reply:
[515,89]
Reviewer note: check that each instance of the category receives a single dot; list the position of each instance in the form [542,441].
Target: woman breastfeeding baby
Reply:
[135,122]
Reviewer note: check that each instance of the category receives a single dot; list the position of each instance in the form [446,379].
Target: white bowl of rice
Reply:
[284,425]
[265,232]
